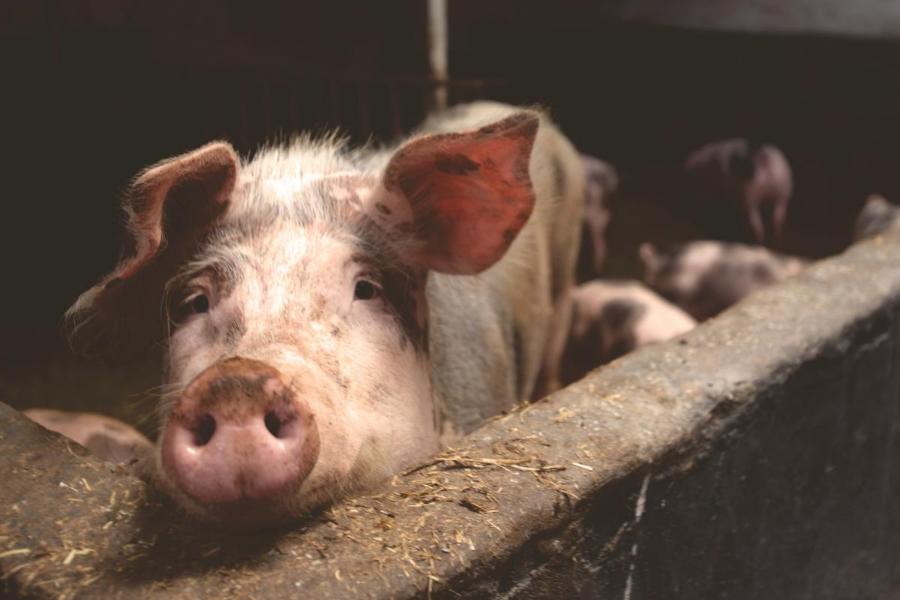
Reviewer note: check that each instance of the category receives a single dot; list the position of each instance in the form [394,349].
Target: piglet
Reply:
[107,438]
[877,216]
[608,319]
[706,277]
[754,178]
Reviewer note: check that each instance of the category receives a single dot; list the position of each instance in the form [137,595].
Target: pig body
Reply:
[877,216]
[108,438]
[601,182]
[706,277]
[507,314]
[608,319]
[754,178]
[331,313]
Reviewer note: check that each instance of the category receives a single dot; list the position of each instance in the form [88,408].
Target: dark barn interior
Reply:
[753,457]
[95,91]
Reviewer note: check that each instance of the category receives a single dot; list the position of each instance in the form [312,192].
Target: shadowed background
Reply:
[93,91]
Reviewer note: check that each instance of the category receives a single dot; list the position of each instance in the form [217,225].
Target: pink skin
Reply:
[108,438]
[296,355]
[611,318]
[221,449]
[705,277]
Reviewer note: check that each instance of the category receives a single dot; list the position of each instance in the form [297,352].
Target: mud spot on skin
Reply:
[610,334]
[559,177]
[518,125]
[234,396]
[234,332]
[621,313]
[456,164]
[342,381]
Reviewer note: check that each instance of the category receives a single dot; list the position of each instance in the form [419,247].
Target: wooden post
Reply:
[437,51]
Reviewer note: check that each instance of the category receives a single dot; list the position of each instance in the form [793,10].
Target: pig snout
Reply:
[239,433]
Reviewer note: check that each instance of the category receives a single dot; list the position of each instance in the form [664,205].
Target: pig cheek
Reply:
[391,398]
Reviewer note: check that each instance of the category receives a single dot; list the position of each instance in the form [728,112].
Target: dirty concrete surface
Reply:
[754,457]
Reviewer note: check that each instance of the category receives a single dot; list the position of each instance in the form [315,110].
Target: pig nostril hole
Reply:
[273,423]
[204,430]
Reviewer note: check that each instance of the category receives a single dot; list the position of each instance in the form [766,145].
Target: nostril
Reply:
[204,430]
[273,423]
[282,424]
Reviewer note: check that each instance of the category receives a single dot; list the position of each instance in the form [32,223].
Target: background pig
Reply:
[328,312]
[608,319]
[754,178]
[706,277]
[602,181]
[107,438]
[877,216]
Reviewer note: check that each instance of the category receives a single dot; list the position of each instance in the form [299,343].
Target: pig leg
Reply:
[779,217]
[549,376]
[756,222]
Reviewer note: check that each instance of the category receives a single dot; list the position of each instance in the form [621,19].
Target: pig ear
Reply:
[169,209]
[468,194]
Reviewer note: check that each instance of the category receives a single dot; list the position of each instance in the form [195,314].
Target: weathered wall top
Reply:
[864,18]
[569,472]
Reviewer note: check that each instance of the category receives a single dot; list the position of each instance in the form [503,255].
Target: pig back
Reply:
[488,333]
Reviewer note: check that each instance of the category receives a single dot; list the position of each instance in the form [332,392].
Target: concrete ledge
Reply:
[865,18]
[757,457]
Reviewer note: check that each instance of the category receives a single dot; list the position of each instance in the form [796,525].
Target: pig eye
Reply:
[193,305]
[199,304]
[365,290]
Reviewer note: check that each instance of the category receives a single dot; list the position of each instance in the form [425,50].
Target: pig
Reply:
[608,319]
[877,216]
[330,315]
[755,177]
[108,438]
[706,277]
[602,182]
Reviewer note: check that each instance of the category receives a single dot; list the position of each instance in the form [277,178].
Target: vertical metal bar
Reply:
[437,51]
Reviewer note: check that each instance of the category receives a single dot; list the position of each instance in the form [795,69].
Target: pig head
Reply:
[876,216]
[288,296]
